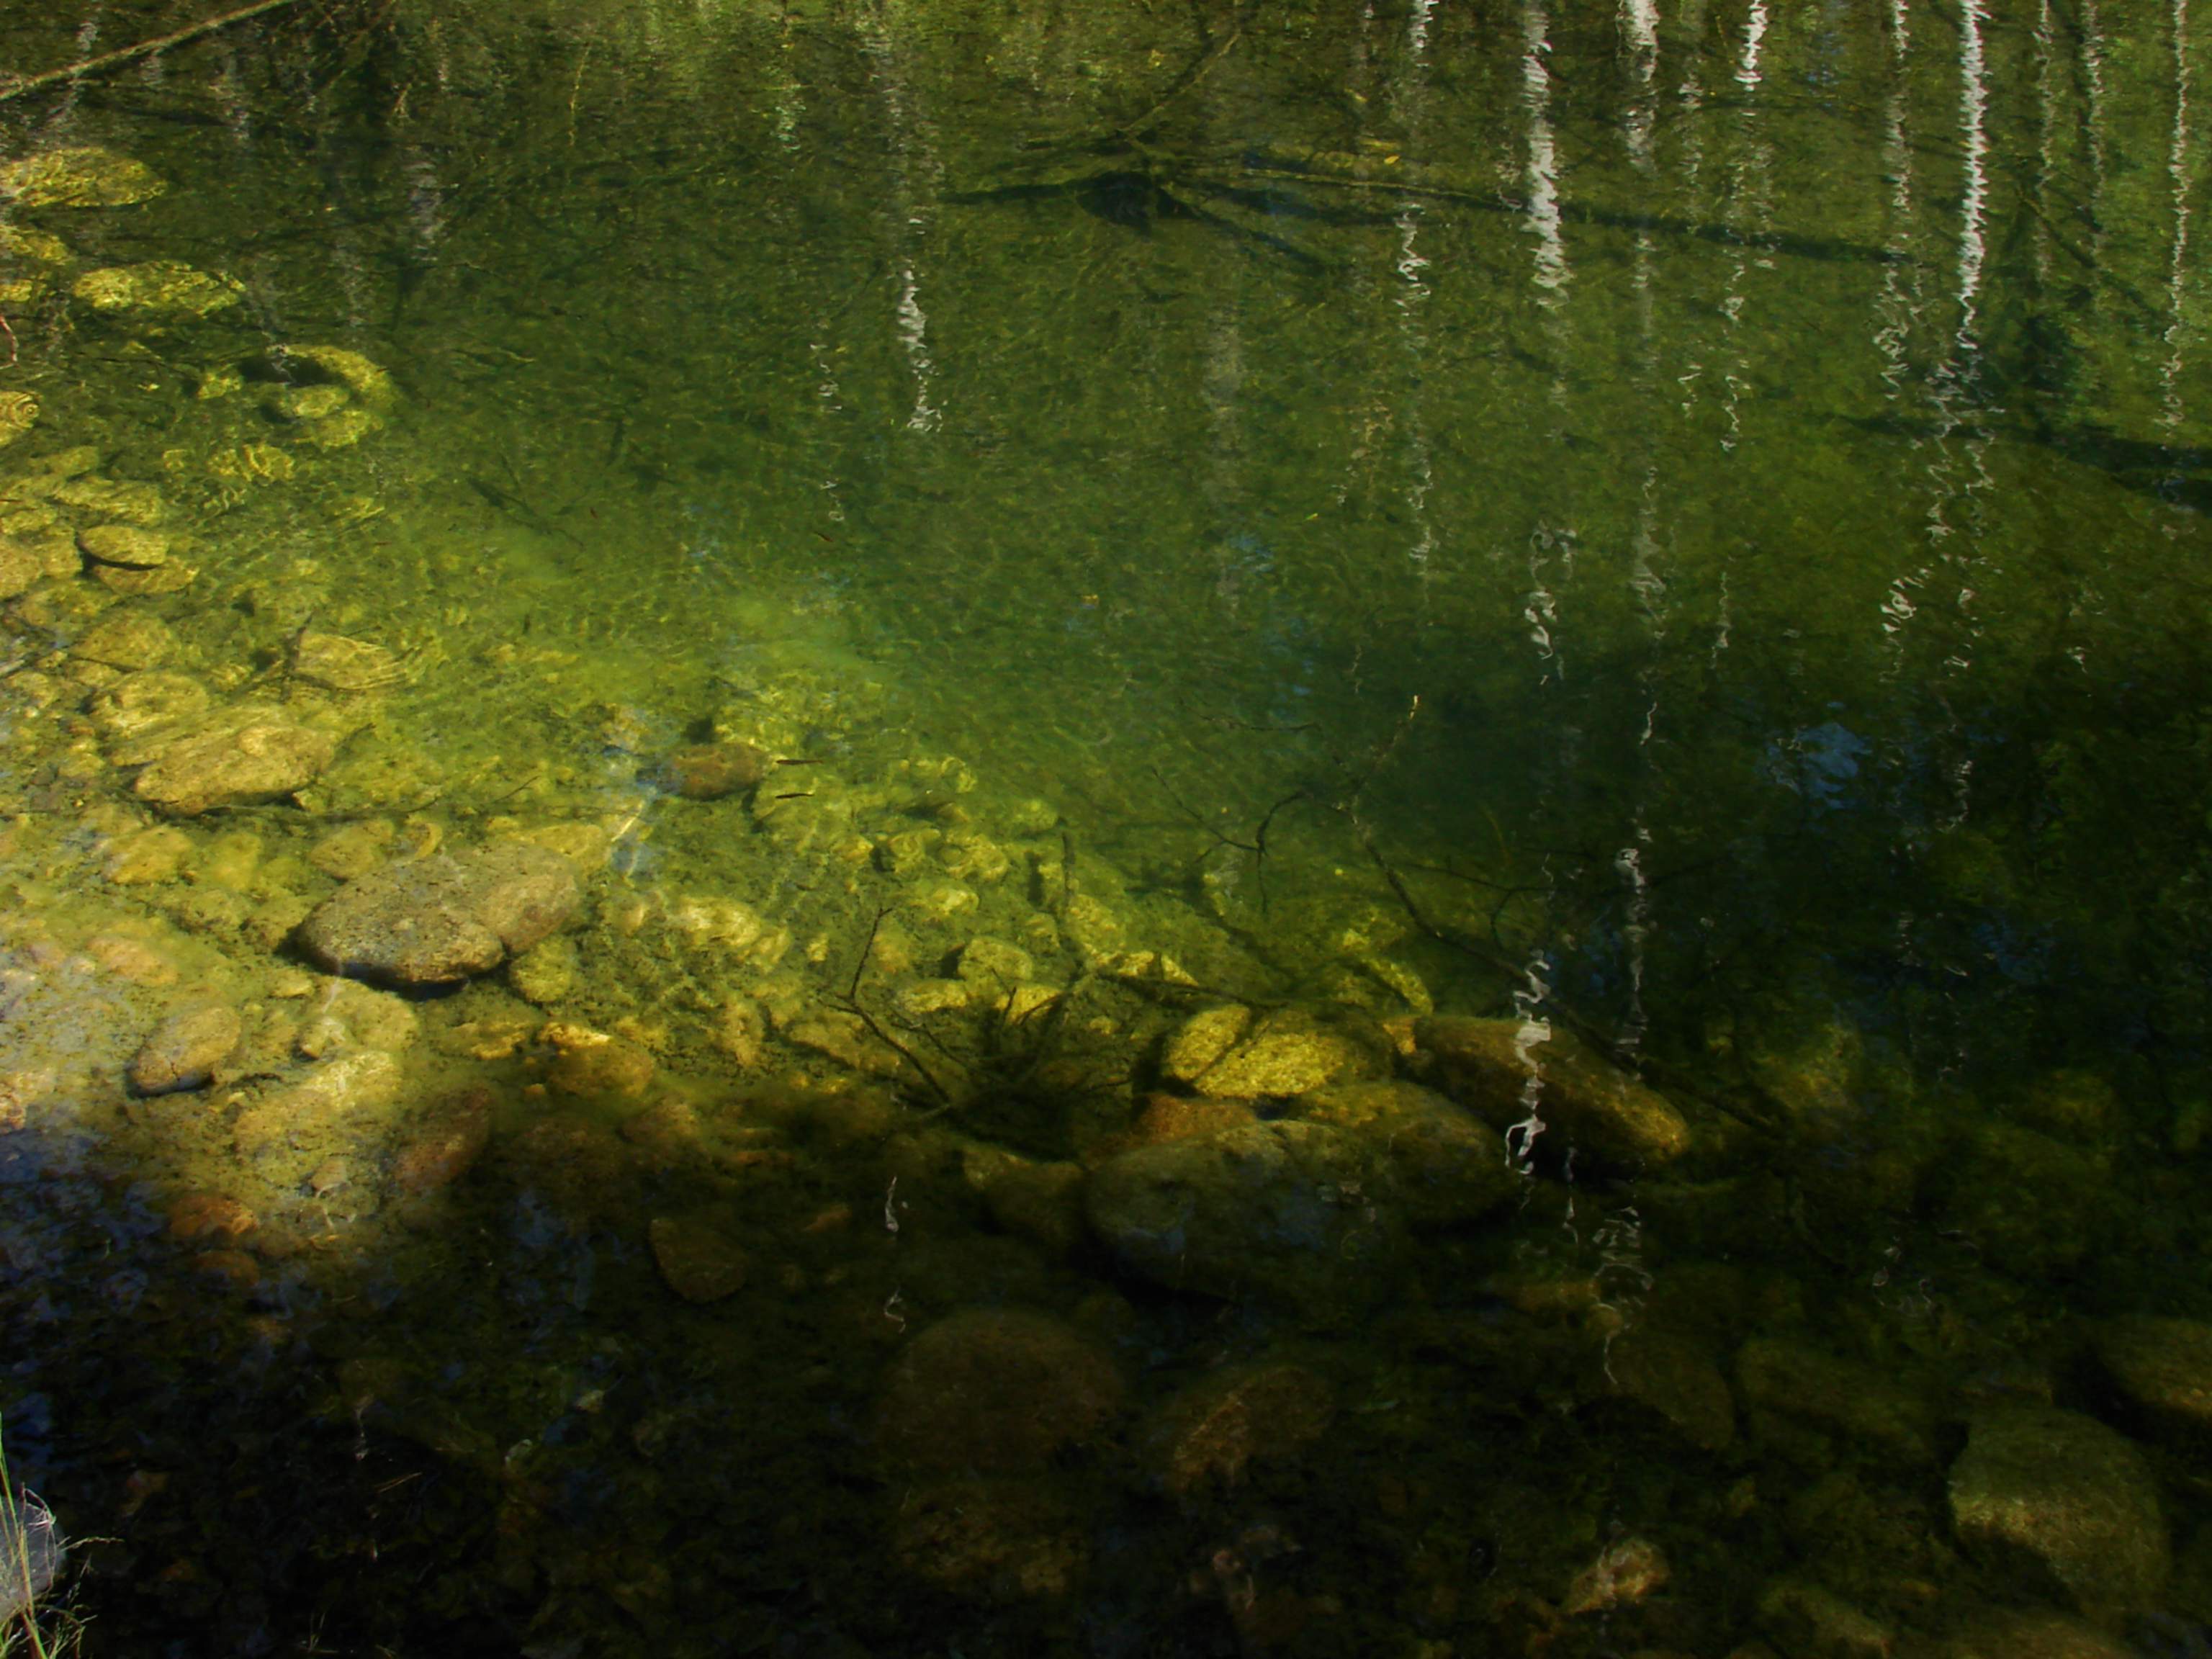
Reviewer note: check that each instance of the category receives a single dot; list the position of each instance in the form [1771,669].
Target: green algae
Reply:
[1684,531]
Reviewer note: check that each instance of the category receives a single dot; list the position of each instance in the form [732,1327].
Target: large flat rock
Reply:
[441,920]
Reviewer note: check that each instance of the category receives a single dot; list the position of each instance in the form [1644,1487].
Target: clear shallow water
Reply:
[1686,523]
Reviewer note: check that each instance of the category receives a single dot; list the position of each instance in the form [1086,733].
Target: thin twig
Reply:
[143,48]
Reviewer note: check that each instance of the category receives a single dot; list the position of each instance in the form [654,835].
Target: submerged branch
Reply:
[108,60]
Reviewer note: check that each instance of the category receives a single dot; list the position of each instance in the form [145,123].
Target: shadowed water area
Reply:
[1234,830]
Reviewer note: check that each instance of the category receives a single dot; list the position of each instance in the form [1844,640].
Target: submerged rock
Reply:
[80,175]
[2066,1503]
[1294,1052]
[126,638]
[129,544]
[440,920]
[1212,1432]
[998,1540]
[339,664]
[348,367]
[186,1049]
[239,756]
[994,1391]
[700,1261]
[21,566]
[2163,1367]
[125,499]
[159,286]
[1445,1165]
[1792,1380]
[1487,1065]
[1625,1573]
[1279,1209]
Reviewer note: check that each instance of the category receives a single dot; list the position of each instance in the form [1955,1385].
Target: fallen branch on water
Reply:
[145,49]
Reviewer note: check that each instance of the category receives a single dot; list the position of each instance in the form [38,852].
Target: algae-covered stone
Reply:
[23,242]
[596,1064]
[186,1049]
[2008,1635]
[331,1097]
[2033,1205]
[1279,1209]
[1037,1200]
[167,288]
[21,566]
[2163,1368]
[19,413]
[1203,1039]
[129,544]
[129,640]
[1445,1165]
[994,1391]
[147,701]
[309,403]
[1792,1380]
[164,287]
[357,374]
[126,499]
[79,175]
[1487,1065]
[339,664]
[1670,1375]
[1294,1051]
[996,1540]
[2066,1504]
[1810,1621]
[239,756]
[1211,1432]
[700,1261]
[440,920]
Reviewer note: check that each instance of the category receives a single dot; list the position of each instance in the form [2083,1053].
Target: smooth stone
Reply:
[238,756]
[2068,1504]
[1584,1097]
[186,1049]
[80,175]
[1446,1165]
[1274,1209]
[114,498]
[2163,1367]
[130,545]
[161,286]
[440,920]
[994,1391]
[700,1261]
[170,578]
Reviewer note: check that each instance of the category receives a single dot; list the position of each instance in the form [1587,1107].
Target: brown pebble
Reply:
[709,771]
